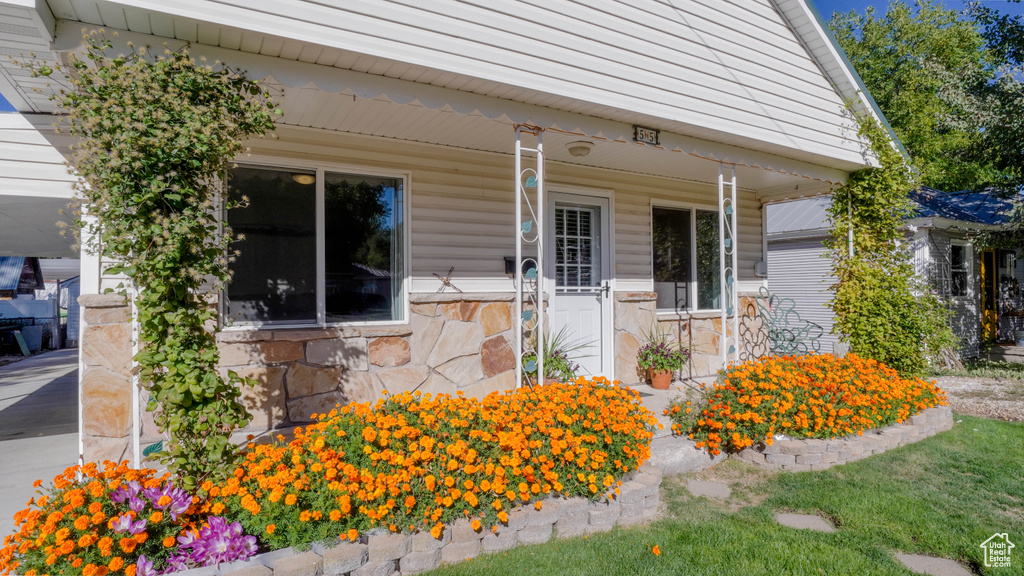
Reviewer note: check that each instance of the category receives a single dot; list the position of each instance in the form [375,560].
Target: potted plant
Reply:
[560,354]
[660,358]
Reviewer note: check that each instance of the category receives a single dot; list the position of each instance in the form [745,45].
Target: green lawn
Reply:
[942,497]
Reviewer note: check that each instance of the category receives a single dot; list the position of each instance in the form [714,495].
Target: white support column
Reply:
[727,260]
[734,302]
[529,232]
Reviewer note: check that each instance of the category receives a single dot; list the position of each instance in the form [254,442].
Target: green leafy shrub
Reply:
[156,135]
[881,309]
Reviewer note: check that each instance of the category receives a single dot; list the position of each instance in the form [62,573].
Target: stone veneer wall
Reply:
[815,454]
[698,332]
[388,554]
[105,352]
[453,342]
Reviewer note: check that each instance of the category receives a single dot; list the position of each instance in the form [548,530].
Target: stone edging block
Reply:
[817,454]
[389,554]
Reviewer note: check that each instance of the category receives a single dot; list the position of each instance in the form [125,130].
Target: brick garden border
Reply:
[816,454]
[387,554]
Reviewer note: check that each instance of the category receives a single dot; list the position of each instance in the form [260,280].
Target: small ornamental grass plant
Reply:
[115,521]
[417,462]
[813,396]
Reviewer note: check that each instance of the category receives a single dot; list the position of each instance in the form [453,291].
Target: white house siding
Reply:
[34,187]
[797,269]
[462,211]
[729,71]
[966,311]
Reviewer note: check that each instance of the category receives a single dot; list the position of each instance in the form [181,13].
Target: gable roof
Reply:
[808,217]
[809,25]
[971,207]
[754,74]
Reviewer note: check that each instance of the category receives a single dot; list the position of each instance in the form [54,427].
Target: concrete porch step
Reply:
[1006,353]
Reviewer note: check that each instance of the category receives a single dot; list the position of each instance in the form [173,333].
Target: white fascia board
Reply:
[39,11]
[940,223]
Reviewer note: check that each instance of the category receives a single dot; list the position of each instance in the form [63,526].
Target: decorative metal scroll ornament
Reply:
[446,281]
[787,332]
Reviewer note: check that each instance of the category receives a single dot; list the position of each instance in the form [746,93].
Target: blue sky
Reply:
[826,8]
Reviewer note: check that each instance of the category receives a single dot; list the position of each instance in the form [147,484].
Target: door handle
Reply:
[607,288]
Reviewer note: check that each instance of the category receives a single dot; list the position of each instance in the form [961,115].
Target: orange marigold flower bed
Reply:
[416,462]
[813,396]
[73,527]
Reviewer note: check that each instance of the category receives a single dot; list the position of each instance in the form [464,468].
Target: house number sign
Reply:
[646,135]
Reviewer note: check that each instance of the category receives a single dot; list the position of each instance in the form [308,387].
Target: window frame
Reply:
[692,289]
[967,269]
[320,168]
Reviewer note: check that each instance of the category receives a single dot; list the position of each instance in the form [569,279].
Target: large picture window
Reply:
[686,259]
[292,271]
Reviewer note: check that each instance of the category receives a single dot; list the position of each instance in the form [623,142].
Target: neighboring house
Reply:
[20,277]
[36,320]
[664,127]
[982,287]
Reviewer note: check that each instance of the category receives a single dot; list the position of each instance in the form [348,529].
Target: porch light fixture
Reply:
[304,179]
[579,148]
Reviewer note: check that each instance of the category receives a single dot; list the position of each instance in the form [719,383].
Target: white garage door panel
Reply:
[798,270]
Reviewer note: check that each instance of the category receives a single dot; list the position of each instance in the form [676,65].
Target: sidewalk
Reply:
[38,426]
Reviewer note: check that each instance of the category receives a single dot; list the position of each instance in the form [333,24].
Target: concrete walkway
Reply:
[38,426]
[673,454]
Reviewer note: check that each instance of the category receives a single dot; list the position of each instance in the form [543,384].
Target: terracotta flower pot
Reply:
[660,380]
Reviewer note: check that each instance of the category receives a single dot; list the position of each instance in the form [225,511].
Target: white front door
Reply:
[579,271]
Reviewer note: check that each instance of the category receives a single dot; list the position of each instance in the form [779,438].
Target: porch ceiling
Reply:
[308,106]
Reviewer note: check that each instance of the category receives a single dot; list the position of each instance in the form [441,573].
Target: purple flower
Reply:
[216,542]
[125,492]
[136,504]
[145,567]
[173,501]
[124,523]
[186,540]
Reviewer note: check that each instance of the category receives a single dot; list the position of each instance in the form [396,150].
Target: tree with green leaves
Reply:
[950,85]
[156,136]
[882,310]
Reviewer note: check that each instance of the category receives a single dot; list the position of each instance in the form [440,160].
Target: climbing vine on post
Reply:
[156,135]
[882,309]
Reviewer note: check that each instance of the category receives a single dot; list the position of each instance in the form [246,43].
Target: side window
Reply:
[958,269]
